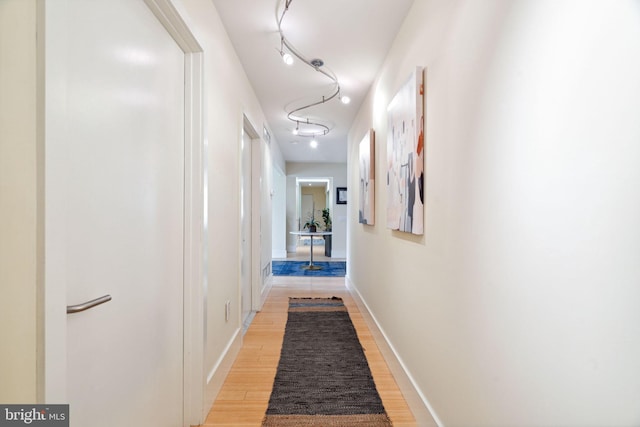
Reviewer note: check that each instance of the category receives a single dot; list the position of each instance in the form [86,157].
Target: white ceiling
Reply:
[352,37]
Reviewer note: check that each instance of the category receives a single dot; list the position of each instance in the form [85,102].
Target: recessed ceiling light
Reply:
[313,143]
[345,99]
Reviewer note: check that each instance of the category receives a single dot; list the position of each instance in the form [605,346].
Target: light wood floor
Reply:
[303,252]
[245,393]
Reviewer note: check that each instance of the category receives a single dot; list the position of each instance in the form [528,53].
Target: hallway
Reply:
[515,306]
[245,393]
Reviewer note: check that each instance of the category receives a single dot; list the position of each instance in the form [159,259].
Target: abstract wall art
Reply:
[366,210]
[405,157]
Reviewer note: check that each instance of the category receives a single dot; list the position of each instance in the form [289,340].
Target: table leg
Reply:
[311,266]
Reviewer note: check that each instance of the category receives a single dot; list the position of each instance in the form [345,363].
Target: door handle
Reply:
[87,305]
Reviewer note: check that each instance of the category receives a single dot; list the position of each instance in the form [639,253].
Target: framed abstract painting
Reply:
[405,157]
[366,210]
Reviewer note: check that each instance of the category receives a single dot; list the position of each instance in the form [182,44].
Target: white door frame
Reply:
[194,214]
[54,371]
[247,179]
[256,209]
[195,246]
[259,286]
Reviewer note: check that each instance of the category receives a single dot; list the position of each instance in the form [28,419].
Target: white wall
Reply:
[519,304]
[279,216]
[337,171]
[266,212]
[228,98]
[20,243]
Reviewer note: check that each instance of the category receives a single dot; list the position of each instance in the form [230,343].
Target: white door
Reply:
[246,219]
[115,193]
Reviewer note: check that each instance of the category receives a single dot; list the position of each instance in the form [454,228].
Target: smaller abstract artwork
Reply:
[366,201]
[405,157]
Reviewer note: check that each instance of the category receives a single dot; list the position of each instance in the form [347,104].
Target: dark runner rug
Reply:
[323,377]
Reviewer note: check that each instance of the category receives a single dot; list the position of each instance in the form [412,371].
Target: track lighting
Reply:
[318,65]
[286,56]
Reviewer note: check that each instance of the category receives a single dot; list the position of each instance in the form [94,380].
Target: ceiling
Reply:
[352,38]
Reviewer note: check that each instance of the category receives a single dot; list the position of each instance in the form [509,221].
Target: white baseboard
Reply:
[218,374]
[418,403]
[264,292]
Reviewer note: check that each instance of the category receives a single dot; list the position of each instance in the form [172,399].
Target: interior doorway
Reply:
[132,182]
[250,229]
[314,196]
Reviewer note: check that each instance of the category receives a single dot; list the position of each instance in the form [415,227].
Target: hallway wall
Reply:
[279,215]
[20,203]
[518,306]
[228,98]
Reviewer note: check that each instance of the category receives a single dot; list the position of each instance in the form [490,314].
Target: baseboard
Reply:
[264,292]
[418,403]
[219,373]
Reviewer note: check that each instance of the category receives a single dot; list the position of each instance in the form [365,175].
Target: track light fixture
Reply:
[286,57]
[318,65]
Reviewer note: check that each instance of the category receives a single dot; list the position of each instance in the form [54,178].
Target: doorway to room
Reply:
[312,254]
[314,209]
[249,219]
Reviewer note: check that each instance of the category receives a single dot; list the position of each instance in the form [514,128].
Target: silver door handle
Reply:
[87,305]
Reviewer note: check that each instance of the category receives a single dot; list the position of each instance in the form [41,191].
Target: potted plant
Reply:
[326,217]
[311,223]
